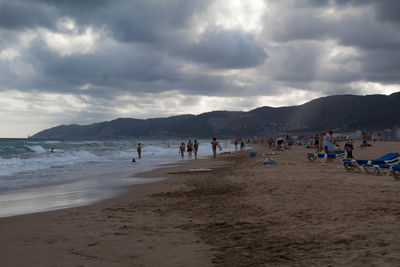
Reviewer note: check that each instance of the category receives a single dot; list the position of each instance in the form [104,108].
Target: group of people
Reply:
[190,148]
[237,143]
[325,142]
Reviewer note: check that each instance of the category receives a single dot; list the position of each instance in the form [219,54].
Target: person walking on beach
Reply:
[139,150]
[190,149]
[214,145]
[182,149]
[195,148]
[364,143]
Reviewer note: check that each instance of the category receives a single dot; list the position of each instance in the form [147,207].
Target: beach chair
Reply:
[329,157]
[384,169]
[341,154]
[396,171]
[380,169]
[356,165]
[317,155]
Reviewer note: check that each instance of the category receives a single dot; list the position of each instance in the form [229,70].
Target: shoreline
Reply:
[294,212]
[40,228]
[79,191]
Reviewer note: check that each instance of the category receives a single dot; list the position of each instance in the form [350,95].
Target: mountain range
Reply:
[342,113]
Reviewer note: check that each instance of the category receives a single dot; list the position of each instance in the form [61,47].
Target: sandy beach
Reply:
[243,213]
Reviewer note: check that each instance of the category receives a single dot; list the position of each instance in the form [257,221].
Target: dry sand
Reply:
[293,213]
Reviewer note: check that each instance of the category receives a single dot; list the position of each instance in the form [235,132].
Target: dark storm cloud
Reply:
[297,63]
[388,10]
[128,21]
[152,41]
[110,73]
[119,66]
[21,14]
[220,48]
[369,27]
[148,21]
[381,66]
[385,10]
[155,43]
[361,31]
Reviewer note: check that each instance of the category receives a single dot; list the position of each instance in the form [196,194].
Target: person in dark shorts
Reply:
[349,149]
[182,149]
[214,145]
[139,150]
[189,149]
[195,148]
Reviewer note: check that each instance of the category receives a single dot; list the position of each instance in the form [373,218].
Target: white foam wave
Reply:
[84,142]
[11,166]
[36,149]
[52,142]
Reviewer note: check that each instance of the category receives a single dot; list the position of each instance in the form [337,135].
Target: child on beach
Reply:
[182,149]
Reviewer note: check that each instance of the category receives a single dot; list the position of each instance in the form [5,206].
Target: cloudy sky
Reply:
[75,61]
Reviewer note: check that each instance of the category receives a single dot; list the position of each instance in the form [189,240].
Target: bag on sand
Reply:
[269,161]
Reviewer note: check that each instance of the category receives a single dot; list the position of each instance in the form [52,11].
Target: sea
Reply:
[78,172]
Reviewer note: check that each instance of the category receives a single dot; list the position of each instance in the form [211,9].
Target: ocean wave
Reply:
[36,149]
[12,166]
[52,142]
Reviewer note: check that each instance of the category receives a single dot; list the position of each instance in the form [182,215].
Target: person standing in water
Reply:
[241,143]
[190,149]
[214,145]
[182,149]
[139,150]
[195,148]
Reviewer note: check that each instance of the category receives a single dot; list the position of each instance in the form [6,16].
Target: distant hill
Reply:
[340,113]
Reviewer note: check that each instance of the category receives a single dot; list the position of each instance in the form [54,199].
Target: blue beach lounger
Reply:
[381,169]
[396,171]
[384,169]
[352,165]
[338,155]
[314,156]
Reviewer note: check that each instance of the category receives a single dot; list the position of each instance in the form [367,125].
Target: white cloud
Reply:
[67,44]
[366,87]
[9,54]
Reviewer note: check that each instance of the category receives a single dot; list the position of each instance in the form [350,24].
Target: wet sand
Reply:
[243,213]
